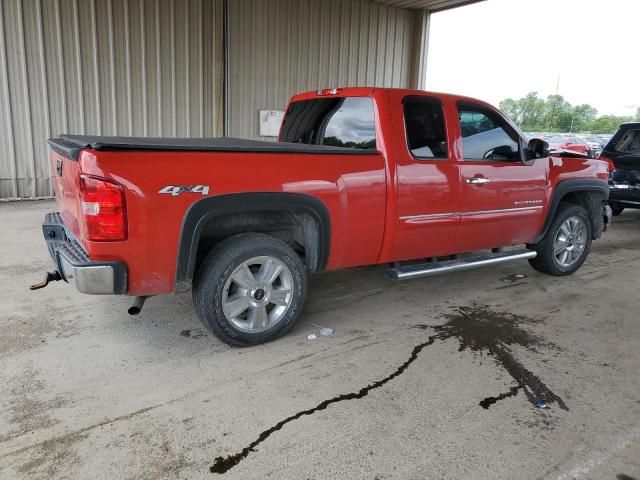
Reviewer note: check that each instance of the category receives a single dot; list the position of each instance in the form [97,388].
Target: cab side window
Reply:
[486,136]
[425,128]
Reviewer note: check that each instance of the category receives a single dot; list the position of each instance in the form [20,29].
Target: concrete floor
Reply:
[90,392]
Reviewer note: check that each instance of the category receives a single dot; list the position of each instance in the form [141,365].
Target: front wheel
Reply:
[566,245]
[250,289]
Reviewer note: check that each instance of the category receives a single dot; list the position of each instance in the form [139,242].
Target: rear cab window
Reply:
[347,122]
[425,128]
[486,136]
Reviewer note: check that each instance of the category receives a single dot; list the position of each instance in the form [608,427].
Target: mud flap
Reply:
[600,214]
[607,216]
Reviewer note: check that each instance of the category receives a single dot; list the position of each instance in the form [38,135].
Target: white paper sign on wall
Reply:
[270,121]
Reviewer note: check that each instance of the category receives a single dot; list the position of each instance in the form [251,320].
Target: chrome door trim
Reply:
[434,216]
[431,216]
[503,210]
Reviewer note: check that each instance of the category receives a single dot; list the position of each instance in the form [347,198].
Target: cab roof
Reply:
[370,91]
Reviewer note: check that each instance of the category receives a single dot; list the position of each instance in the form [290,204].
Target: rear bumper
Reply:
[75,266]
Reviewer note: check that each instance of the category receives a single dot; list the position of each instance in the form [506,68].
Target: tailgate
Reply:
[65,182]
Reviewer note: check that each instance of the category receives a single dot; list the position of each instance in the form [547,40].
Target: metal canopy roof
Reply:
[433,5]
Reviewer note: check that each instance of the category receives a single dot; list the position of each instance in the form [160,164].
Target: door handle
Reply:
[477,180]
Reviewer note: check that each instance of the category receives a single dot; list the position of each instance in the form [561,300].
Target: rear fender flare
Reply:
[208,208]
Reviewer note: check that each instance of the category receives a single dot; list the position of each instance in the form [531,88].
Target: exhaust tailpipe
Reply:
[136,306]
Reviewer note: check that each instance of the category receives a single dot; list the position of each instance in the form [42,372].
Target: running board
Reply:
[417,270]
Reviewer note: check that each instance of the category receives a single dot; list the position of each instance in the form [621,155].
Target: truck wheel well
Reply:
[588,193]
[592,203]
[300,220]
[578,198]
[296,229]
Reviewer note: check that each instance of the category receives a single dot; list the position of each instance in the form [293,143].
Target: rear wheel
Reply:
[250,289]
[566,245]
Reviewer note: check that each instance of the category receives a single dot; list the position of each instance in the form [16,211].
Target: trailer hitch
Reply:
[48,277]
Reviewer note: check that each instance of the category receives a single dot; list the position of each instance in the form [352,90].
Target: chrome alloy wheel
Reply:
[570,241]
[257,294]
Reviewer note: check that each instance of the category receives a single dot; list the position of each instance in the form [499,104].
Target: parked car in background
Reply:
[572,143]
[624,151]
[604,139]
[595,143]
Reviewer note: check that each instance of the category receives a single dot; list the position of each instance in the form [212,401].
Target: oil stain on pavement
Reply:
[477,329]
[481,329]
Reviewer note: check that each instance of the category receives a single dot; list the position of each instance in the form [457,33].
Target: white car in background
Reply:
[594,143]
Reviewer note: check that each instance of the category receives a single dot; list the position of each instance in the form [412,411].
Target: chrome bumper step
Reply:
[416,270]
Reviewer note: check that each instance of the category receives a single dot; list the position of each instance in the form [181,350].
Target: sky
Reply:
[497,49]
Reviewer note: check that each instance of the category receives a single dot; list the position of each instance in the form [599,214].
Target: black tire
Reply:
[616,209]
[546,261]
[214,272]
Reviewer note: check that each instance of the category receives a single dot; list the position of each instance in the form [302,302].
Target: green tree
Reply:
[637,119]
[509,107]
[583,117]
[559,114]
[608,123]
[555,114]
[528,112]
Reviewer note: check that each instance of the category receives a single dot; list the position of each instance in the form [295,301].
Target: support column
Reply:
[222,6]
[420,49]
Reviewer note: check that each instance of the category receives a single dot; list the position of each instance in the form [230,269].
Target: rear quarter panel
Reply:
[353,187]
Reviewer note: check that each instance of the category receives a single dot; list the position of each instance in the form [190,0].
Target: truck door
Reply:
[502,196]
[428,190]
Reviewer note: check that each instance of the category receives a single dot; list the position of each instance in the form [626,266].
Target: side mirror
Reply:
[537,149]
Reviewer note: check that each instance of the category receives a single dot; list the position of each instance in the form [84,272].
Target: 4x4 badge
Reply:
[176,190]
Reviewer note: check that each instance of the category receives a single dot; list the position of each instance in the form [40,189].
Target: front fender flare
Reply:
[565,187]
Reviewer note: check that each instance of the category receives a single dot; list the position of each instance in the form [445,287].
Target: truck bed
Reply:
[71,145]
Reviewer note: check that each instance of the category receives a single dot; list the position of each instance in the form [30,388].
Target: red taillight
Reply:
[103,209]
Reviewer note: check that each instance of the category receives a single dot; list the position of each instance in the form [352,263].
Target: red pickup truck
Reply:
[424,182]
